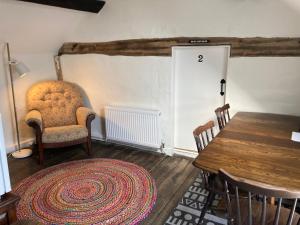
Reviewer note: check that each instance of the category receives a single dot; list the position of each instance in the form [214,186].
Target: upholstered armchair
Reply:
[57,114]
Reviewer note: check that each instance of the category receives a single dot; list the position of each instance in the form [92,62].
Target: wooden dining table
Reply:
[256,146]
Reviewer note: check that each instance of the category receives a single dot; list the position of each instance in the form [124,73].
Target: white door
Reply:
[198,72]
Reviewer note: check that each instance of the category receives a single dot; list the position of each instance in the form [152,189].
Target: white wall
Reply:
[264,85]
[127,81]
[254,84]
[41,67]
[141,18]
[35,33]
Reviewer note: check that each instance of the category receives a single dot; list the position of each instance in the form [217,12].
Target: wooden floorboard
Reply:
[170,176]
[191,173]
[173,175]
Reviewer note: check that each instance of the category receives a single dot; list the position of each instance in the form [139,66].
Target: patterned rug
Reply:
[96,191]
[189,208]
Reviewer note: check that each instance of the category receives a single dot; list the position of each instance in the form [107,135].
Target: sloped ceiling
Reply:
[83,5]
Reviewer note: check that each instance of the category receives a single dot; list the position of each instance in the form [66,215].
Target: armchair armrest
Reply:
[85,116]
[34,119]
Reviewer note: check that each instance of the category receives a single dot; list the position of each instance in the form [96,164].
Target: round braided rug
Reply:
[96,191]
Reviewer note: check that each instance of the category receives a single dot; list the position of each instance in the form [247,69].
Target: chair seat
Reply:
[271,211]
[64,133]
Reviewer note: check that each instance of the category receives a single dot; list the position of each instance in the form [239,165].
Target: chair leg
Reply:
[89,146]
[39,143]
[41,153]
[208,203]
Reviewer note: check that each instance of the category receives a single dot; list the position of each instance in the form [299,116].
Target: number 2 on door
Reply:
[200,58]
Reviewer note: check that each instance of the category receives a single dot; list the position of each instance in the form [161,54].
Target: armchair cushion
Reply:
[64,134]
[82,114]
[57,101]
[34,116]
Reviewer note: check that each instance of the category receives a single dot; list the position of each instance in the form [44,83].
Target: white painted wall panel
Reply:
[139,82]
[264,85]
[41,68]
[4,174]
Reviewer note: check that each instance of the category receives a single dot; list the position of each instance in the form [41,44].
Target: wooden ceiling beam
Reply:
[240,47]
[93,6]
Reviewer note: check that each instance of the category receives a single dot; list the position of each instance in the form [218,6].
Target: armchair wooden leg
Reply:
[38,134]
[41,153]
[89,120]
[89,146]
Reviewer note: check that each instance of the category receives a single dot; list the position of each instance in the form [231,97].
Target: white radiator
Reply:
[133,126]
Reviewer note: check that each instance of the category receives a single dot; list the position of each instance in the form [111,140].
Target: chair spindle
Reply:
[228,203]
[237,198]
[207,138]
[212,133]
[203,141]
[249,209]
[292,212]
[277,215]
[264,211]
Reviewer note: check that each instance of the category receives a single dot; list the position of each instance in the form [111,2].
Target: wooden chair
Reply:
[199,137]
[212,183]
[223,115]
[250,211]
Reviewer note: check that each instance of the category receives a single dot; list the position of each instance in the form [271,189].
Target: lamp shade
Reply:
[20,68]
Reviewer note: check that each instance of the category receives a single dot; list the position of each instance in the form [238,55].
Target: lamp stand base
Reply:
[22,153]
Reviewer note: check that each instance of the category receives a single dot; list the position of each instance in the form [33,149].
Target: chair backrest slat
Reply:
[249,209]
[292,212]
[238,209]
[227,110]
[203,141]
[198,133]
[228,203]
[223,116]
[198,143]
[260,189]
[207,138]
[264,211]
[277,215]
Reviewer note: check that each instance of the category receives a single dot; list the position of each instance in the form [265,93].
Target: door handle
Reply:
[223,82]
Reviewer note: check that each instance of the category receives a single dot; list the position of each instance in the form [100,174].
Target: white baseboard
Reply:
[168,151]
[24,144]
[186,153]
[98,138]
[28,142]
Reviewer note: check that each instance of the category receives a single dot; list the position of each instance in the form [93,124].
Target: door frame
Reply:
[187,152]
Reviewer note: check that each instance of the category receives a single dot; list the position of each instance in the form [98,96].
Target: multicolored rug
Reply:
[96,191]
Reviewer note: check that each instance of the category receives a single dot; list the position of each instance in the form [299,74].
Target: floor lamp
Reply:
[20,69]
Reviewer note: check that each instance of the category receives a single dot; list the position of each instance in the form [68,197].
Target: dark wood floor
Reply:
[173,175]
